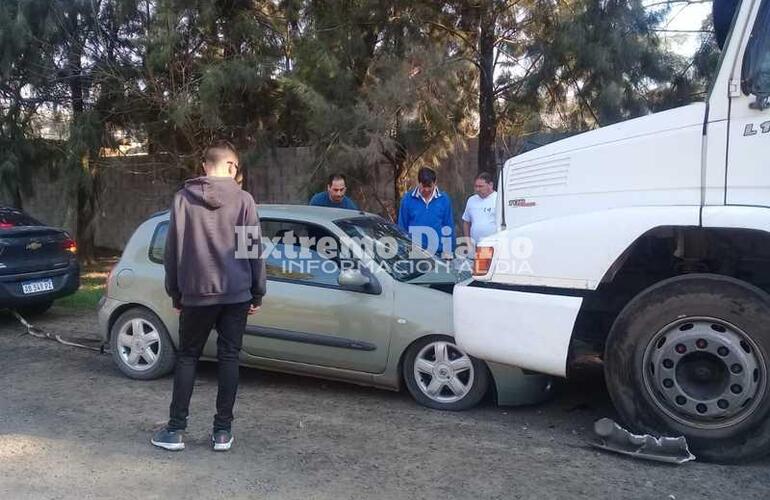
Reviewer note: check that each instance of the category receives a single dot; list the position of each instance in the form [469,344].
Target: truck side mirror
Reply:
[755,73]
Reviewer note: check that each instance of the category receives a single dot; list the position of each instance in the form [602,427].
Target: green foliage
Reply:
[364,82]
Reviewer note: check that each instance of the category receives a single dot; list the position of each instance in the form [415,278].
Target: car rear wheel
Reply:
[690,356]
[439,375]
[141,346]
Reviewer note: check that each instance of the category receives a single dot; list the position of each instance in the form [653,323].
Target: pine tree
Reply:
[379,86]
[25,64]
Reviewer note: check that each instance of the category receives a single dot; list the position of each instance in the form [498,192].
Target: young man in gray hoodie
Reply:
[212,285]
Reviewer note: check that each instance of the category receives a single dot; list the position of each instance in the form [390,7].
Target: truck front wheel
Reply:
[689,356]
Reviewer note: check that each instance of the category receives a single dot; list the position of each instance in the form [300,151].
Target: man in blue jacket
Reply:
[426,214]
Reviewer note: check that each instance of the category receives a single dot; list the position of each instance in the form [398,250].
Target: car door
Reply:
[748,178]
[307,317]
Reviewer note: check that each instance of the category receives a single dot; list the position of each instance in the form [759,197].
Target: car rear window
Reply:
[16,218]
[158,243]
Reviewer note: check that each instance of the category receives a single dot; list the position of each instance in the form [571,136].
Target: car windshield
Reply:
[16,218]
[389,246]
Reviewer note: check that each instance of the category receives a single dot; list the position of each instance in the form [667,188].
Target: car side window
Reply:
[294,255]
[158,243]
[286,263]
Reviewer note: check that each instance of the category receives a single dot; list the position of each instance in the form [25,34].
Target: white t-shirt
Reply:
[480,212]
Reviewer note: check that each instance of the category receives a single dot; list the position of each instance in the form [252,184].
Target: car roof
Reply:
[309,213]
[300,212]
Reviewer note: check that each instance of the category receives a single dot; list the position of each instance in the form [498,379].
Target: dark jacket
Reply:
[201,264]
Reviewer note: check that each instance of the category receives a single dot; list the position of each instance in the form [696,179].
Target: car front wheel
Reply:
[439,375]
[141,346]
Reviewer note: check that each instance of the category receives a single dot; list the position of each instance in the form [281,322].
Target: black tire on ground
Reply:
[34,310]
[478,387]
[165,350]
[664,312]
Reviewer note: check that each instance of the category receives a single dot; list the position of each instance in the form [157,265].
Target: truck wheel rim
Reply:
[704,372]
[443,372]
[138,344]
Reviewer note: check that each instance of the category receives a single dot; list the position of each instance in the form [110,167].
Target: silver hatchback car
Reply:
[387,328]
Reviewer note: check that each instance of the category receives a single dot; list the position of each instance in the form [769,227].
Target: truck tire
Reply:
[689,356]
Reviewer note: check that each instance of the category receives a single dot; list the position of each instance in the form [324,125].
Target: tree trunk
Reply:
[487,160]
[86,216]
[86,193]
[17,201]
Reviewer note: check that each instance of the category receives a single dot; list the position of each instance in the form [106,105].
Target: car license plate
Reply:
[37,286]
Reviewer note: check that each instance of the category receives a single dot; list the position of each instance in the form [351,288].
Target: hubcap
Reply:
[138,344]
[443,372]
[704,372]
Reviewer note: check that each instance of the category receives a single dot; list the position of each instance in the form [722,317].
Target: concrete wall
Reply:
[134,187]
[292,175]
[53,202]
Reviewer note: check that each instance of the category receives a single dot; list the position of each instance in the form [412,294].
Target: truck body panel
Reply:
[574,207]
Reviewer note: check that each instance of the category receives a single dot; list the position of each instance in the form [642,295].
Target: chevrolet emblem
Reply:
[34,245]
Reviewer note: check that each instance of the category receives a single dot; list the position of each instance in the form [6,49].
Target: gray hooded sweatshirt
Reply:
[201,264]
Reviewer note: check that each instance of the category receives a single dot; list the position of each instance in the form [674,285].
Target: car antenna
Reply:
[501,189]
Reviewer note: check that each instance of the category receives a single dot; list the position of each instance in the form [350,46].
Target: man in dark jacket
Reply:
[212,284]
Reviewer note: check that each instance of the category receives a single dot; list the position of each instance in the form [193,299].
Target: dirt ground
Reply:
[71,426]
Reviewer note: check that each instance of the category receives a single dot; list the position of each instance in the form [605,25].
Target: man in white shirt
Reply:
[479,218]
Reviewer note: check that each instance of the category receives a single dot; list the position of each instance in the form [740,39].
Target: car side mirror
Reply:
[353,278]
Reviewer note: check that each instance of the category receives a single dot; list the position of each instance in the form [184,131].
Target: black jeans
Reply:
[195,324]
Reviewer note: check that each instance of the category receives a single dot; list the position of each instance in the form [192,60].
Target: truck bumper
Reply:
[531,330]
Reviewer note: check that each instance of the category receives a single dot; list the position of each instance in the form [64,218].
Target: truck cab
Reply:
[648,242]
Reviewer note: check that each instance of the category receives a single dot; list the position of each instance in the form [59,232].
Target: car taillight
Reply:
[483,260]
[70,245]
[6,225]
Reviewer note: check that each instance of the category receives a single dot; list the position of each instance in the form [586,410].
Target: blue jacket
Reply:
[436,214]
[322,200]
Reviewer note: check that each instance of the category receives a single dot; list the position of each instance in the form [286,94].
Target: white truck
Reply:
[649,240]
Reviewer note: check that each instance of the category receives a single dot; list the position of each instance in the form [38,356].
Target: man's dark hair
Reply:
[337,177]
[426,176]
[214,152]
[486,177]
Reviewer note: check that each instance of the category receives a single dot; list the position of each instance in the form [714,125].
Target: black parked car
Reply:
[37,263]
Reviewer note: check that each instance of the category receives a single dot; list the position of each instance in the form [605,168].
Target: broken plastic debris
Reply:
[613,437]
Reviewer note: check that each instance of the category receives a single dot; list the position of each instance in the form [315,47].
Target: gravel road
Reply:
[71,426]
